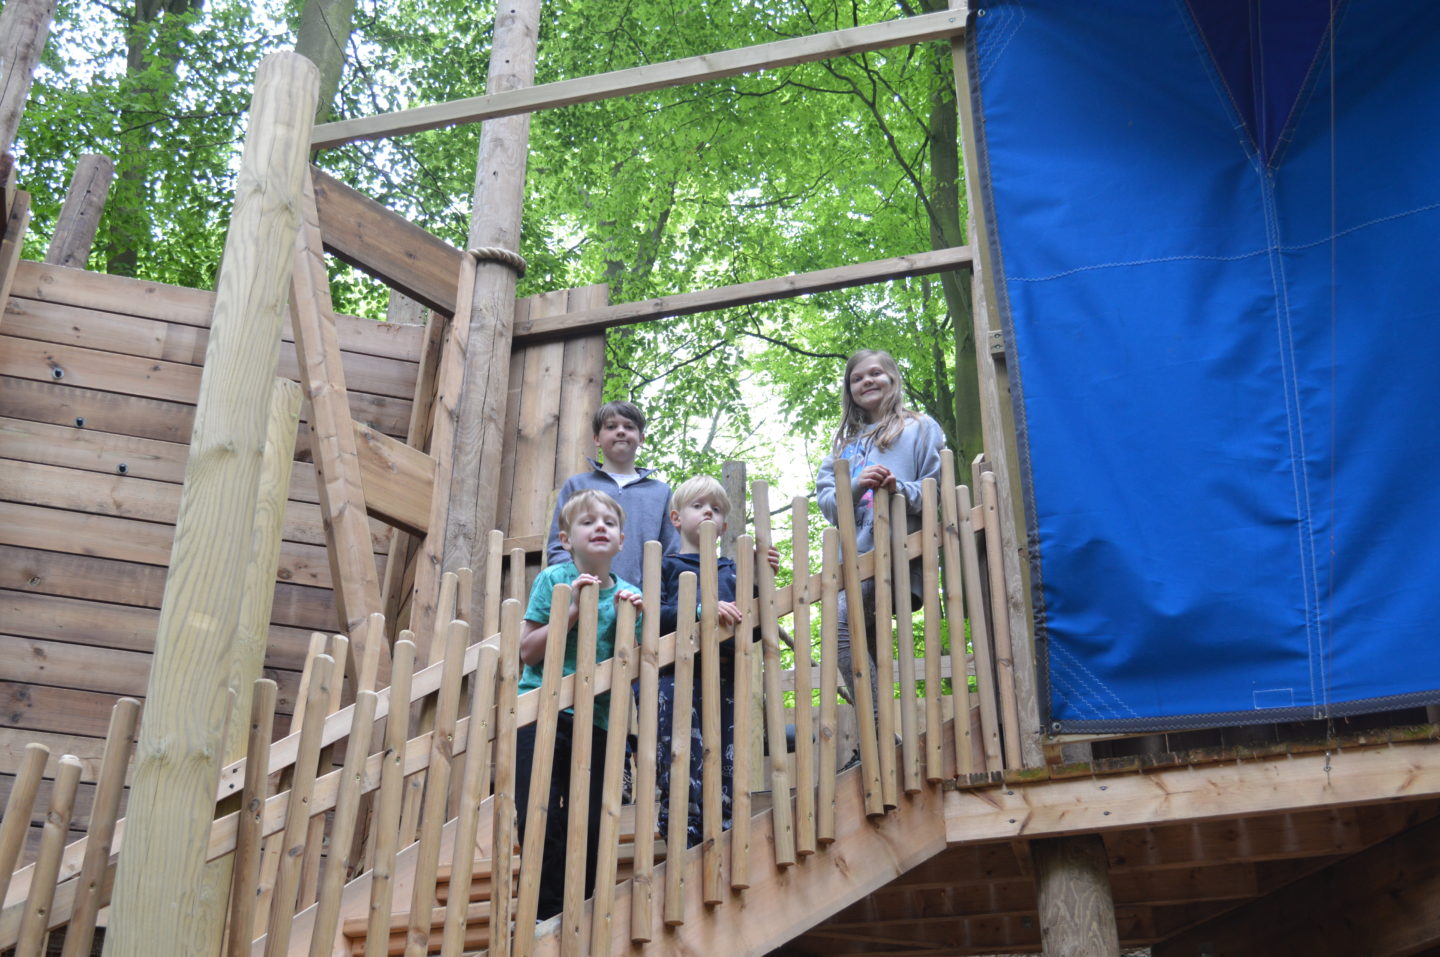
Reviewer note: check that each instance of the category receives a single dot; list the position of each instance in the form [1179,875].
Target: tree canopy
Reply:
[790,170]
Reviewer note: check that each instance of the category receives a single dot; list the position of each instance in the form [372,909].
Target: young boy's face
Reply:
[619,439]
[689,518]
[594,536]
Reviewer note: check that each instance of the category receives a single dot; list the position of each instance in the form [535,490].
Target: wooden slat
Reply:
[15,225]
[978,617]
[910,738]
[711,752]
[829,679]
[676,839]
[354,579]
[398,480]
[90,893]
[536,433]
[153,379]
[930,566]
[643,892]
[245,874]
[581,378]
[711,66]
[387,805]
[781,811]
[124,334]
[804,680]
[887,673]
[618,721]
[89,450]
[195,307]
[18,807]
[100,579]
[383,244]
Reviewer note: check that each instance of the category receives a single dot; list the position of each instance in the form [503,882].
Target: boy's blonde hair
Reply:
[588,498]
[701,487]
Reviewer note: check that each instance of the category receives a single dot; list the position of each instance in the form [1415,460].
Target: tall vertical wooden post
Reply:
[79,218]
[997,420]
[494,224]
[160,907]
[1077,910]
[24,28]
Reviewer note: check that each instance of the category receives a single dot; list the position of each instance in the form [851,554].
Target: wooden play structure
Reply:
[317,591]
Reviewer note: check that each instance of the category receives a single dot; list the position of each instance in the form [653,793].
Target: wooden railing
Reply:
[310,845]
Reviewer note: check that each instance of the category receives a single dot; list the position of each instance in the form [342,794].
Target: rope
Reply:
[499,254]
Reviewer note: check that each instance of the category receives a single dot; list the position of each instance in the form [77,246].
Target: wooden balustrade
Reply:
[384,852]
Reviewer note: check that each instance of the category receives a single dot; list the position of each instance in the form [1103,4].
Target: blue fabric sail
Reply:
[1215,229]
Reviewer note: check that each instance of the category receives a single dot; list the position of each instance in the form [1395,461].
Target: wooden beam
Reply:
[80,216]
[655,76]
[24,28]
[1379,902]
[386,245]
[745,293]
[399,480]
[353,574]
[178,757]
[494,224]
[1274,786]
[14,238]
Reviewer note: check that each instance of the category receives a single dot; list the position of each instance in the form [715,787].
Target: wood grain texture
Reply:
[75,227]
[180,744]
[711,66]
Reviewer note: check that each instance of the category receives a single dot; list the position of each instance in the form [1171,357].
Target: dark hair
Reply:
[622,409]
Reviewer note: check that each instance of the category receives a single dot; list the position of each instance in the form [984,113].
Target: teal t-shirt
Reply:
[539,611]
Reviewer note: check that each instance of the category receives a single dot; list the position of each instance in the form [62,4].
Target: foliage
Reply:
[790,170]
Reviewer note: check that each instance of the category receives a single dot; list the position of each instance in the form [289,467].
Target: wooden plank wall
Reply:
[98,380]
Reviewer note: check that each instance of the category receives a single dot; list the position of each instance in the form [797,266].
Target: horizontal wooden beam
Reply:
[745,293]
[398,480]
[386,245]
[654,76]
[1279,785]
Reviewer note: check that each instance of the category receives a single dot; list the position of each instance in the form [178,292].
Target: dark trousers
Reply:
[694,824]
[556,854]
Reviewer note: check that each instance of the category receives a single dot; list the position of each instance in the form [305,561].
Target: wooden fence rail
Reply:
[417,824]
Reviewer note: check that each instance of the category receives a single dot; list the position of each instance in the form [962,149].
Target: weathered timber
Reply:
[398,480]
[355,581]
[1380,902]
[386,245]
[745,293]
[180,744]
[494,223]
[79,218]
[710,66]
[24,28]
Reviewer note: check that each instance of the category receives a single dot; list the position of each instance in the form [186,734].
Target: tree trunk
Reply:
[129,218]
[325,27]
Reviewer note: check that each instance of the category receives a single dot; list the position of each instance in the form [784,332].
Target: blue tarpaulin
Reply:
[1216,236]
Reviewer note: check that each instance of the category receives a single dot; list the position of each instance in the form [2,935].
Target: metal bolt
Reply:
[122,468]
[79,421]
[57,373]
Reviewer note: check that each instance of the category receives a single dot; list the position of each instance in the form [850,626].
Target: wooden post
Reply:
[1077,911]
[24,27]
[177,762]
[997,419]
[494,224]
[732,476]
[80,216]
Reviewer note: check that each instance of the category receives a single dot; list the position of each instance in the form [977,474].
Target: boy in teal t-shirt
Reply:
[591,526]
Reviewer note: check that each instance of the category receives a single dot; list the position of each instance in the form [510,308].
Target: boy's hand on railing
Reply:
[728,613]
[634,598]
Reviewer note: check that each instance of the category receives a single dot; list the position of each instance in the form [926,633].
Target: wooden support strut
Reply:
[178,757]
[353,574]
